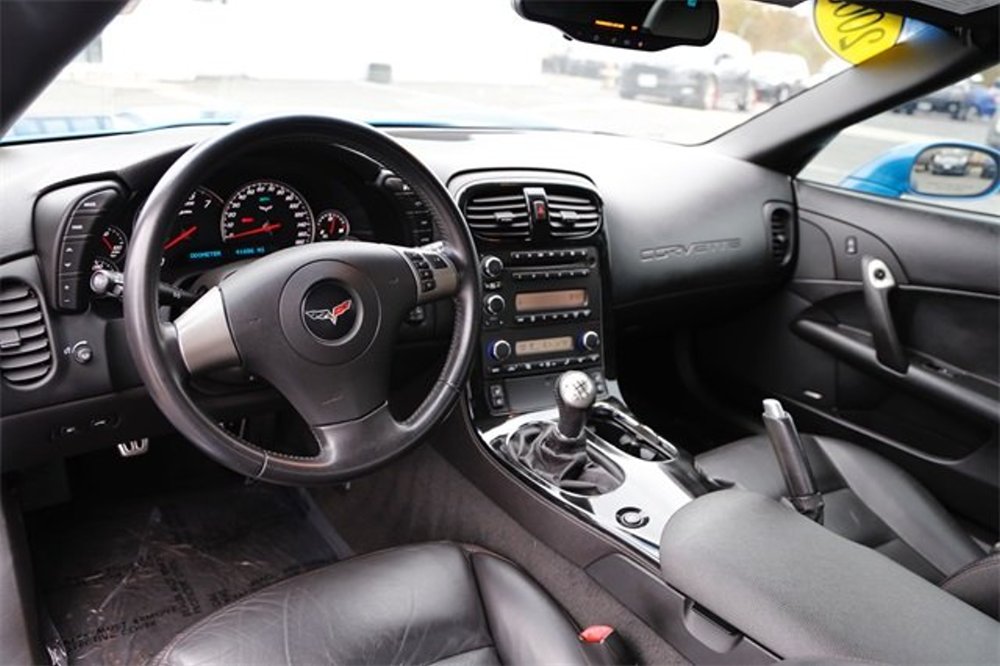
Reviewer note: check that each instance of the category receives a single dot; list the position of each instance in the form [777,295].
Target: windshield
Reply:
[441,62]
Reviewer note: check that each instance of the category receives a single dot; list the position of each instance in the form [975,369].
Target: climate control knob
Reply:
[492,266]
[590,341]
[494,304]
[500,350]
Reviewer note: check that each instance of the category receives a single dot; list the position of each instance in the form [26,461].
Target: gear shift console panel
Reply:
[598,462]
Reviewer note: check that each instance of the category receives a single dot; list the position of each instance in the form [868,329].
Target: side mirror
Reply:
[954,170]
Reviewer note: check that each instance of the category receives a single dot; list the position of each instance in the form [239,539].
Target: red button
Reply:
[540,210]
[597,633]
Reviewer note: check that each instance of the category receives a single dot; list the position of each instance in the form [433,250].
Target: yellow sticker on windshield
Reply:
[853,32]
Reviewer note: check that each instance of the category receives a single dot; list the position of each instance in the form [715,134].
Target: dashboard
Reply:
[551,299]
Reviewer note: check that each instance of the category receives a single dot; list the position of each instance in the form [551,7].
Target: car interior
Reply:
[299,388]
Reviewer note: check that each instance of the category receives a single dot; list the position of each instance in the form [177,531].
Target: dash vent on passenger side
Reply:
[780,219]
[573,212]
[498,212]
[25,352]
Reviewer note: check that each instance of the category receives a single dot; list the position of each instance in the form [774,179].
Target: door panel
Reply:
[814,346]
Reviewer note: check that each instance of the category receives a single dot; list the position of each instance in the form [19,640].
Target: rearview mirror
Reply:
[646,25]
[953,170]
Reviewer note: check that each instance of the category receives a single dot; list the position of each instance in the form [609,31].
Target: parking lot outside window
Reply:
[942,149]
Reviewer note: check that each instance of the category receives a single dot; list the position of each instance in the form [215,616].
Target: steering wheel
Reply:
[317,321]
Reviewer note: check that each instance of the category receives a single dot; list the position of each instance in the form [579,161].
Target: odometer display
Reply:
[266,215]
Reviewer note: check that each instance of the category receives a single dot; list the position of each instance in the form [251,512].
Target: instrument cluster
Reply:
[256,218]
[218,225]
[262,202]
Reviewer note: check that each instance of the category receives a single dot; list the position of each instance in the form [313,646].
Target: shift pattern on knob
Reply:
[576,389]
[575,394]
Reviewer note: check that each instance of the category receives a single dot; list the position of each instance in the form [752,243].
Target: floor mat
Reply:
[119,580]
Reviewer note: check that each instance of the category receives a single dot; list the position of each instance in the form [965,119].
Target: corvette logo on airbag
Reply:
[331,315]
[330,311]
[689,250]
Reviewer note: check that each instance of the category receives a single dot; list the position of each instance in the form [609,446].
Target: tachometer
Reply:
[266,215]
[193,237]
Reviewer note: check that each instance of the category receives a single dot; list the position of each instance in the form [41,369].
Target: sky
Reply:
[423,40]
[463,40]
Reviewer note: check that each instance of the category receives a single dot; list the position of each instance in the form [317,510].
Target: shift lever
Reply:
[791,457]
[575,395]
[558,452]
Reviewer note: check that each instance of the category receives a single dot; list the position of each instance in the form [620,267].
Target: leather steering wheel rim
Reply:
[227,324]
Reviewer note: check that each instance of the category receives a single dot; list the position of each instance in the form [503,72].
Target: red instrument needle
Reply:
[187,233]
[267,228]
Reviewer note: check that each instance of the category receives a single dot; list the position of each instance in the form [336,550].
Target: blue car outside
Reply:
[888,175]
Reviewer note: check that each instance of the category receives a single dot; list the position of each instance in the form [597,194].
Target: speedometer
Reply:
[266,215]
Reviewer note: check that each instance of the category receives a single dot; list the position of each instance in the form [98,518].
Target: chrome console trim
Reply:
[657,489]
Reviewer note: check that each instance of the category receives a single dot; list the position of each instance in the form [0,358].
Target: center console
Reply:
[544,266]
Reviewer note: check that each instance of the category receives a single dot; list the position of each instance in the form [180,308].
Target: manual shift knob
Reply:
[575,395]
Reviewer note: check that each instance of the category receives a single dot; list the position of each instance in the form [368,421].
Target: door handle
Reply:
[878,284]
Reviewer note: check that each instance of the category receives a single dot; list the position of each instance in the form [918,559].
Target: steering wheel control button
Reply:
[632,518]
[330,311]
[432,271]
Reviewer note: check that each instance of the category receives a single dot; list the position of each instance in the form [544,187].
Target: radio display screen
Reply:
[543,346]
[565,299]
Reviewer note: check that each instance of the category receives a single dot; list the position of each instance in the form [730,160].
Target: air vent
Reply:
[573,213]
[498,213]
[25,353]
[781,225]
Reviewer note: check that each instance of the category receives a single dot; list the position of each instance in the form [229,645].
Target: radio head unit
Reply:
[541,316]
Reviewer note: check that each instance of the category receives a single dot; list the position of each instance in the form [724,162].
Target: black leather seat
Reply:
[428,604]
[875,503]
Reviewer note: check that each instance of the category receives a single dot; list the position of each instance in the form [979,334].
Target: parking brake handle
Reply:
[878,284]
[798,475]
